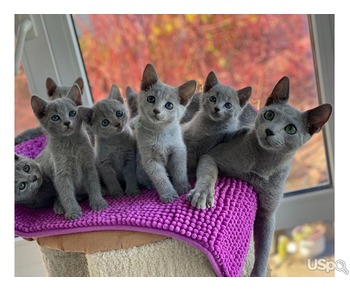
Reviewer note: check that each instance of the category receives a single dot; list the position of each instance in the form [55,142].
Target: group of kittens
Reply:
[160,138]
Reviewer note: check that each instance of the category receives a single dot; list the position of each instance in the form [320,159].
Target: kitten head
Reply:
[59,117]
[160,103]
[108,116]
[28,179]
[281,127]
[54,91]
[221,102]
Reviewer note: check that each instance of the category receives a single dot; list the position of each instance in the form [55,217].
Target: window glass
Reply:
[242,50]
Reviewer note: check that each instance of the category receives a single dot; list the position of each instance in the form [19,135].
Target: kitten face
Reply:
[59,117]
[109,117]
[160,103]
[28,179]
[280,126]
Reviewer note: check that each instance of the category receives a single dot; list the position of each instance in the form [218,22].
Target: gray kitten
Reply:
[32,189]
[68,159]
[218,116]
[261,156]
[115,143]
[162,151]
[53,91]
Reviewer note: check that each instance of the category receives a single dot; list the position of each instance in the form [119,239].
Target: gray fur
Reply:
[68,159]
[32,189]
[218,116]
[115,143]
[261,156]
[162,152]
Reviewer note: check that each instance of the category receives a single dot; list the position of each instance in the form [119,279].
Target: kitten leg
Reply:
[58,208]
[66,193]
[202,196]
[129,172]
[158,175]
[91,182]
[264,227]
[110,178]
[177,168]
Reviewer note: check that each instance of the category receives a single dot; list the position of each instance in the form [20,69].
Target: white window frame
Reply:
[55,52]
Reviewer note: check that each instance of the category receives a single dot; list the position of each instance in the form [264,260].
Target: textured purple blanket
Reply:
[223,232]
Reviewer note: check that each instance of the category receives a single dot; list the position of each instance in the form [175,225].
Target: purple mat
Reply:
[223,232]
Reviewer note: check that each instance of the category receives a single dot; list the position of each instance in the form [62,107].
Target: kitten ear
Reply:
[75,94]
[130,93]
[51,86]
[280,93]
[115,94]
[186,91]
[210,82]
[317,117]
[149,77]
[80,83]
[39,106]
[244,95]
[86,114]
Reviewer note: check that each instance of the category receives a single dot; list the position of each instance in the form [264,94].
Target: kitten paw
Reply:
[57,208]
[99,205]
[167,198]
[201,199]
[73,214]
[132,192]
[182,189]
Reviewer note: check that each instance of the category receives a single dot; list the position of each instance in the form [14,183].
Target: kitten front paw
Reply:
[167,198]
[99,205]
[57,208]
[201,199]
[73,214]
[183,188]
[130,192]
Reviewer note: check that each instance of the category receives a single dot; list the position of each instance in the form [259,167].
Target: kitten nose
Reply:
[66,123]
[269,132]
[117,125]
[156,111]
[216,109]
[33,178]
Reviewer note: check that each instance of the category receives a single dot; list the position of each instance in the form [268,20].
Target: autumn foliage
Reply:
[242,50]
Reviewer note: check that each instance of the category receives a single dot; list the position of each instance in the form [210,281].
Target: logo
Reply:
[327,265]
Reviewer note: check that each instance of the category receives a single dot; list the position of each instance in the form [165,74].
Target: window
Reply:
[243,50]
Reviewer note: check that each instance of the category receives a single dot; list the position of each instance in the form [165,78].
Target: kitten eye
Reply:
[26,168]
[212,99]
[22,185]
[105,123]
[151,99]
[228,105]
[290,129]
[119,113]
[55,118]
[269,115]
[72,114]
[169,106]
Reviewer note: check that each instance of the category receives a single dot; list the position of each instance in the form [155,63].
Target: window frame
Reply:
[55,52]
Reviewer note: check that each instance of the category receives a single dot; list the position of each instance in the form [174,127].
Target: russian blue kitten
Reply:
[32,189]
[261,156]
[218,116]
[68,158]
[158,134]
[53,91]
[115,143]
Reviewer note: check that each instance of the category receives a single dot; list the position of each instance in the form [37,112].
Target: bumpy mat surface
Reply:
[223,232]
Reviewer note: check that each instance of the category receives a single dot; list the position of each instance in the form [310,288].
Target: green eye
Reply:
[22,185]
[290,129]
[269,115]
